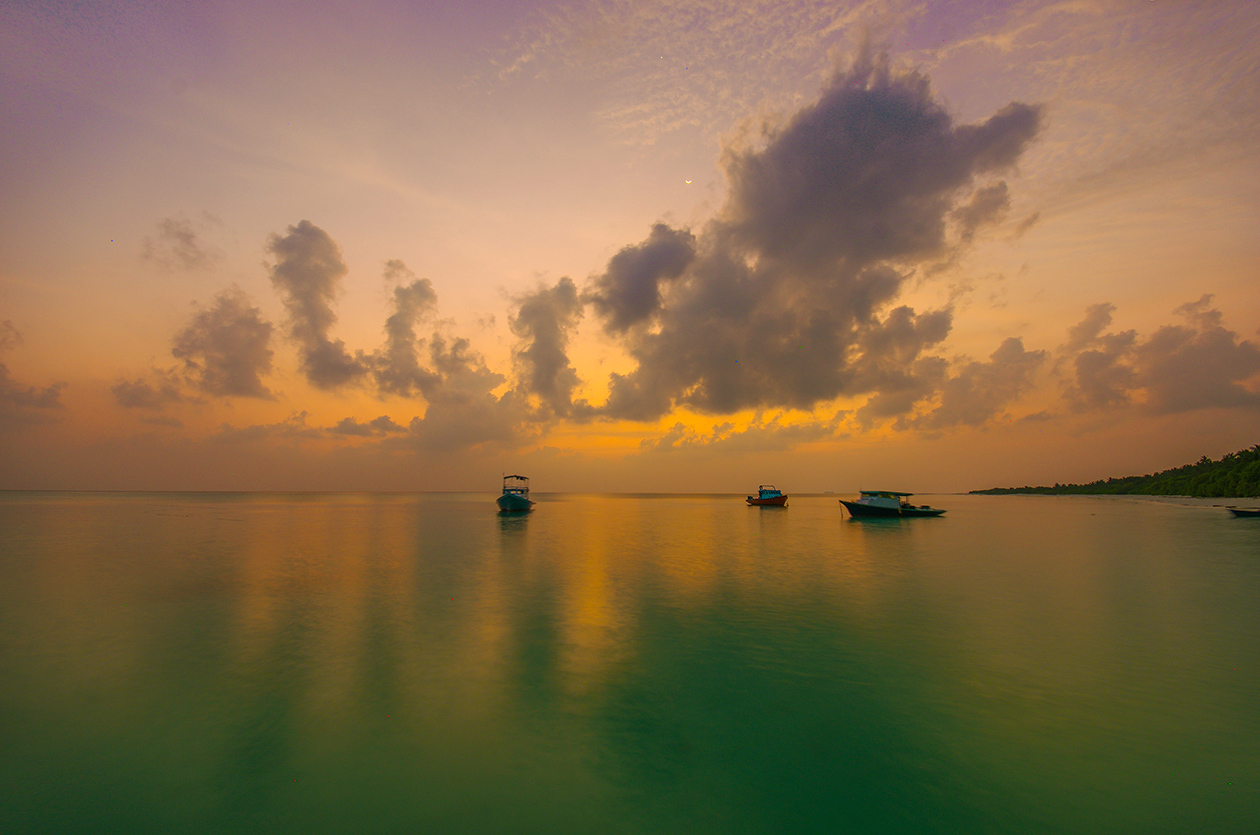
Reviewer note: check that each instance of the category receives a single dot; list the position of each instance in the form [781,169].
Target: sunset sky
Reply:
[626,246]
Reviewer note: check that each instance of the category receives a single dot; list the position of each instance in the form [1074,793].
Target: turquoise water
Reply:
[418,663]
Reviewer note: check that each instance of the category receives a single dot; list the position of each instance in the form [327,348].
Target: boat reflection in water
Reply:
[886,503]
[515,498]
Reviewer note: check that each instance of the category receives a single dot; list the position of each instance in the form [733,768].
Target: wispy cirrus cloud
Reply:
[665,65]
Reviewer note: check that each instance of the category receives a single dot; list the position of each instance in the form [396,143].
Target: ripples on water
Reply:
[404,663]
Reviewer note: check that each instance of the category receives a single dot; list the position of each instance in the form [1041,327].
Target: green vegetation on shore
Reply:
[1236,474]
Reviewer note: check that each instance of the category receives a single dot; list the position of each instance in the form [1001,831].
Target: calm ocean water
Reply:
[186,663]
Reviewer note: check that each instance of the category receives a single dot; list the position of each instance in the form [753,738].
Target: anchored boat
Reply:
[886,503]
[1244,512]
[515,496]
[768,496]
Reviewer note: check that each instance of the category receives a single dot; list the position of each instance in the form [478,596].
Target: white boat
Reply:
[886,503]
[515,496]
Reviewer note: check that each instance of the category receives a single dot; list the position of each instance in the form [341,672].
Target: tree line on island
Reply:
[1236,474]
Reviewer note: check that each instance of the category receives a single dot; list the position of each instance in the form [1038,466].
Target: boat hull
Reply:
[512,503]
[777,501]
[920,511]
[1245,513]
[866,511]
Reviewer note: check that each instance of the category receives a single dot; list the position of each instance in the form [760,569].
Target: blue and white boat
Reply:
[515,496]
[768,496]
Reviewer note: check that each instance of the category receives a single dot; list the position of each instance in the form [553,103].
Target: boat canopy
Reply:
[884,493]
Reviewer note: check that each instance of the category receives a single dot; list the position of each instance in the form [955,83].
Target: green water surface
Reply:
[188,663]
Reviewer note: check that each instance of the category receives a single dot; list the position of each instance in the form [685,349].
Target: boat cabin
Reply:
[885,498]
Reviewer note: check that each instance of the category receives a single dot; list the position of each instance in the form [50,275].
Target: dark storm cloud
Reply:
[176,245]
[544,320]
[783,300]
[307,274]
[868,173]
[382,425]
[152,395]
[226,348]
[1178,368]
[629,291]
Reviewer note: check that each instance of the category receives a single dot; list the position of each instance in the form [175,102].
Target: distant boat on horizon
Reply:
[886,504]
[768,496]
[515,498]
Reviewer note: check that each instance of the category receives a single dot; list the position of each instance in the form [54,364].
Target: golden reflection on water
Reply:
[617,641]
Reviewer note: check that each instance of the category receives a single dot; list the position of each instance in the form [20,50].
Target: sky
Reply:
[644,246]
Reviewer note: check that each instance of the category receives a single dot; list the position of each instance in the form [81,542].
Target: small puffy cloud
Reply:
[307,274]
[396,271]
[1026,224]
[462,409]
[396,368]
[1200,313]
[980,391]
[986,207]
[1103,375]
[544,321]
[153,395]
[22,405]
[10,336]
[226,349]
[1178,368]
[1086,331]
[775,435]
[377,427]
[1203,366]
[177,244]
[292,428]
